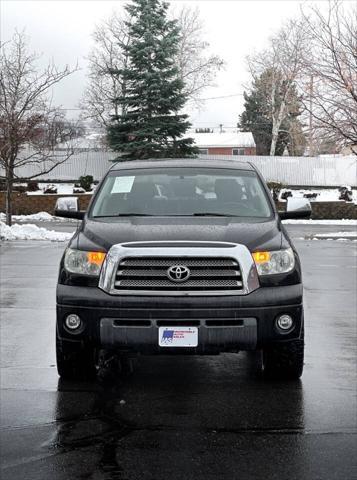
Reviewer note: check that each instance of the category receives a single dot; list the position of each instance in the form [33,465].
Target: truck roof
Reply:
[182,162]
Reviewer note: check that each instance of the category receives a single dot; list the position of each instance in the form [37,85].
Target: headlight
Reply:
[83,263]
[280,261]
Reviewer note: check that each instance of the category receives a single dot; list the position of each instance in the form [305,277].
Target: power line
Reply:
[224,96]
[203,99]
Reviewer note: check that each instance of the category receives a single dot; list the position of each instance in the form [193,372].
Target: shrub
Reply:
[50,189]
[345,193]
[285,195]
[86,182]
[311,196]
[275,188]
[32,186]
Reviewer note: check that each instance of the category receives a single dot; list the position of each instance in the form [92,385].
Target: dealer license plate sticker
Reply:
[178,336]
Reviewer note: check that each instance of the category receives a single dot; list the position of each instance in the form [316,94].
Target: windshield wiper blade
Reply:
[195,214]
[134,214]
[212,214]
[124,215]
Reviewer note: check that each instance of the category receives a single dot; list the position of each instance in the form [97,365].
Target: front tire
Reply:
[75,361]
[285,360]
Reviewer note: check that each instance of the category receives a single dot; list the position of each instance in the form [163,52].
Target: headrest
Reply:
[228,189]
[143,189]
[183,187]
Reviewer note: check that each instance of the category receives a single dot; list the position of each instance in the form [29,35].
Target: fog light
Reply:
[73,322]
[284,322]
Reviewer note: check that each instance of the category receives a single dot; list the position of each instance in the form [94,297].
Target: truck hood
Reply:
[101,234]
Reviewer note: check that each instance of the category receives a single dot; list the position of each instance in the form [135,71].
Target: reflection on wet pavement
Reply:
[179,417]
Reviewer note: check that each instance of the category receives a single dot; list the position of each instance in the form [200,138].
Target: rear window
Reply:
[182,191]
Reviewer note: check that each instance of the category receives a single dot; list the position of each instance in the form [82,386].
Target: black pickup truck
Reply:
[182,256]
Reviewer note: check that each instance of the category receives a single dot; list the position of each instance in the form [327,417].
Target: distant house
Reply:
[224,143]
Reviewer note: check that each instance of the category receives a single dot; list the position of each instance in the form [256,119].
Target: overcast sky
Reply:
[61,30]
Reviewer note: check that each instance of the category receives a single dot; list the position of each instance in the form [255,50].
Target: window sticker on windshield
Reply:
[123,184]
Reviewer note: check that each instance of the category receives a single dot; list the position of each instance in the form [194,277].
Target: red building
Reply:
[224,143]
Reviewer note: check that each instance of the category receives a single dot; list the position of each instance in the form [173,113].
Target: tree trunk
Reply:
[276,127]
[274,139]
[9,184]
[275,131]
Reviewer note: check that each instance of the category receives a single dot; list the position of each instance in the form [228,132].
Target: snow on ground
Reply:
[62,189]
[321,222]
[329,239]
[323,194]
[333,235]
[38,217]
[31,232]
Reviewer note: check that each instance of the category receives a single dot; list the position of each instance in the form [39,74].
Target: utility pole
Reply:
[311,91]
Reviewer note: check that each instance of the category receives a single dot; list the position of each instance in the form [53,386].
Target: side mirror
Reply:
[67,207]
[296,208]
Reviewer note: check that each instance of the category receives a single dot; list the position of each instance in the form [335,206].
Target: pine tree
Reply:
[256,118]
[150,125]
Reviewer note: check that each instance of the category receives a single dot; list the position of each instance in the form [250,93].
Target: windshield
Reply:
[182,191]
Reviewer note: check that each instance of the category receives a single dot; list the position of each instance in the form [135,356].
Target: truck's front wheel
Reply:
[284,360]
[75,361]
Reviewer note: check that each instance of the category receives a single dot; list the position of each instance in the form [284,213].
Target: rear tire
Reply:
[75,361]
[284,361]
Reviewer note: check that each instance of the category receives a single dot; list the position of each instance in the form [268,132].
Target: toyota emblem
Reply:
[178,273]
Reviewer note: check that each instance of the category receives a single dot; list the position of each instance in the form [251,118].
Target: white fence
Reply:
[88,162]
[309,171]
[325,170]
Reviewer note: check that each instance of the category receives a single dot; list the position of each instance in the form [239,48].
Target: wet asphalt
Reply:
[179,417]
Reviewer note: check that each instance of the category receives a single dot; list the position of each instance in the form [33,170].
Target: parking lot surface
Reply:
[179,417]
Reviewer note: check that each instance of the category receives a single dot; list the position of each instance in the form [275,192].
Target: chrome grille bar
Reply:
[161,272]
[142,269]
[188,261]
[147,273]
[205,284]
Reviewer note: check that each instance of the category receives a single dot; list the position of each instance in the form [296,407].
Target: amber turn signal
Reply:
[261,257]
[96,257]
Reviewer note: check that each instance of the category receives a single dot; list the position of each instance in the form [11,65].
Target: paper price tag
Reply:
[123,184]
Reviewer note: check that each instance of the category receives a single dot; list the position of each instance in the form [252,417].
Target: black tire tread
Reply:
[284,360]
[75,362]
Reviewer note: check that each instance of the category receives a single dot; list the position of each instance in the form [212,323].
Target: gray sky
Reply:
[61,30]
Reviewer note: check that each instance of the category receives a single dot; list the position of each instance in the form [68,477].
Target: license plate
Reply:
[178,336]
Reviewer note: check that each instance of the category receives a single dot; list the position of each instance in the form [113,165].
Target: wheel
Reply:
[114,365]
[75,362]
[284,360]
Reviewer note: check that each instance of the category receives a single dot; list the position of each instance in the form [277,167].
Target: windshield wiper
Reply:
[124,215]
[134,214]
[212,214]
[195,214]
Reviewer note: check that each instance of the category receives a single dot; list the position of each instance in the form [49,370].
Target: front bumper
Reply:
[225,323]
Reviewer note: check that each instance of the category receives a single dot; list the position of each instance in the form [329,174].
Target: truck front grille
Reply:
[205,273]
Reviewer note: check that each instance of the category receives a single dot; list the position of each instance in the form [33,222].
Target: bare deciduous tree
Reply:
[332,67]
[284,60]
[28,121]
[106,57]
[197,69]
